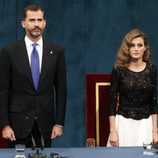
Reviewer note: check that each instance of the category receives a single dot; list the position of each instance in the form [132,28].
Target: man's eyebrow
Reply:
[36,18]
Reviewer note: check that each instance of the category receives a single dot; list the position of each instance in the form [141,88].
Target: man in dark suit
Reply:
[28,84]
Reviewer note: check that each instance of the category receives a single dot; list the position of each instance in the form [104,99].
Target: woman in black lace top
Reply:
[134,90]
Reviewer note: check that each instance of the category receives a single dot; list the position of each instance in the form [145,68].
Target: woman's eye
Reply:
[132,45]
[140,45]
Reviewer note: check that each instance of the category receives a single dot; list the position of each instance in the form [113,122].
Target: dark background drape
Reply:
[91,32]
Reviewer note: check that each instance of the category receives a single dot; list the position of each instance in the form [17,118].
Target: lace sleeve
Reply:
[153,95]
[114,90]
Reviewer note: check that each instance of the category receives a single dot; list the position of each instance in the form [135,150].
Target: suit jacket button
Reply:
[27,118]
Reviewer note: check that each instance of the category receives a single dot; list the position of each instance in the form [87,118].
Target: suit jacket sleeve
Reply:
[4,87]
[61,89]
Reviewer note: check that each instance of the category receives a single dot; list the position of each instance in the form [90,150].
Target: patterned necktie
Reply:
[35,65]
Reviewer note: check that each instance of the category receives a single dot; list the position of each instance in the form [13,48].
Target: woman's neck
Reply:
[137,66]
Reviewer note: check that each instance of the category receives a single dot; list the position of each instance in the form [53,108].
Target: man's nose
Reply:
[36,23]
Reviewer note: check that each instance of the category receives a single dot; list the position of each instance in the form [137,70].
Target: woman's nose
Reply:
[136,48]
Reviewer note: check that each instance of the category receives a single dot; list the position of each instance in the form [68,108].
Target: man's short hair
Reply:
[32,7]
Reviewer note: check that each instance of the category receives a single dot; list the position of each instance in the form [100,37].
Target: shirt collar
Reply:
[29,42]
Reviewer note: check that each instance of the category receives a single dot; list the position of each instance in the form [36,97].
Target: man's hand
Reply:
[57,131]
[8,133]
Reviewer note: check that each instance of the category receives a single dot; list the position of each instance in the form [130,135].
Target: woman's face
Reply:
[137,48]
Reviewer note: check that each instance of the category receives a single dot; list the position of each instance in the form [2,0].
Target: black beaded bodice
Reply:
[137,92]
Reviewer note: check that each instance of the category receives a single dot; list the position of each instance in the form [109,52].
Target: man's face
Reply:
[34,24]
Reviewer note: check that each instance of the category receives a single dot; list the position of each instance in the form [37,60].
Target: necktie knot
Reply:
[34,45]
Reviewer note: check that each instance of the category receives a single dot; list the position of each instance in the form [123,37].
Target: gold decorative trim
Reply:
[97,108]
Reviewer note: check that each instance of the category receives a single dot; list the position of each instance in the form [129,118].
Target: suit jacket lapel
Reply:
[23,59]
[45,62]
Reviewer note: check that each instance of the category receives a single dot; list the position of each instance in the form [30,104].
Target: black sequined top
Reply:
[137,92]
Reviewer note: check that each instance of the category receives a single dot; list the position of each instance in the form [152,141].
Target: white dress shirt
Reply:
[39,48]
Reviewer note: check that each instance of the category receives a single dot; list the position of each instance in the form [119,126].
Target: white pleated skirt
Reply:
[133,132]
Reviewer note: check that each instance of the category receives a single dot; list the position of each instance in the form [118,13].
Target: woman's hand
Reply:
[155,137]
[114,140]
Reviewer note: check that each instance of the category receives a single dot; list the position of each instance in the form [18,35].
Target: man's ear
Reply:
[45,23]
[23,24]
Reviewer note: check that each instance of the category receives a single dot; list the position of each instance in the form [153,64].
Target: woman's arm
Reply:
[154,105]
[114,140]
[113,98]
[154,128]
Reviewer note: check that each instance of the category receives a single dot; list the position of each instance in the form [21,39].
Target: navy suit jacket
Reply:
[20,102]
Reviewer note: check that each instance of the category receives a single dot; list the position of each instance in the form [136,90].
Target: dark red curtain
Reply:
[102,80]
[3,142]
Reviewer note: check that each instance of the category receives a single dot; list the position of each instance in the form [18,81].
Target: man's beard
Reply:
[34,34]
